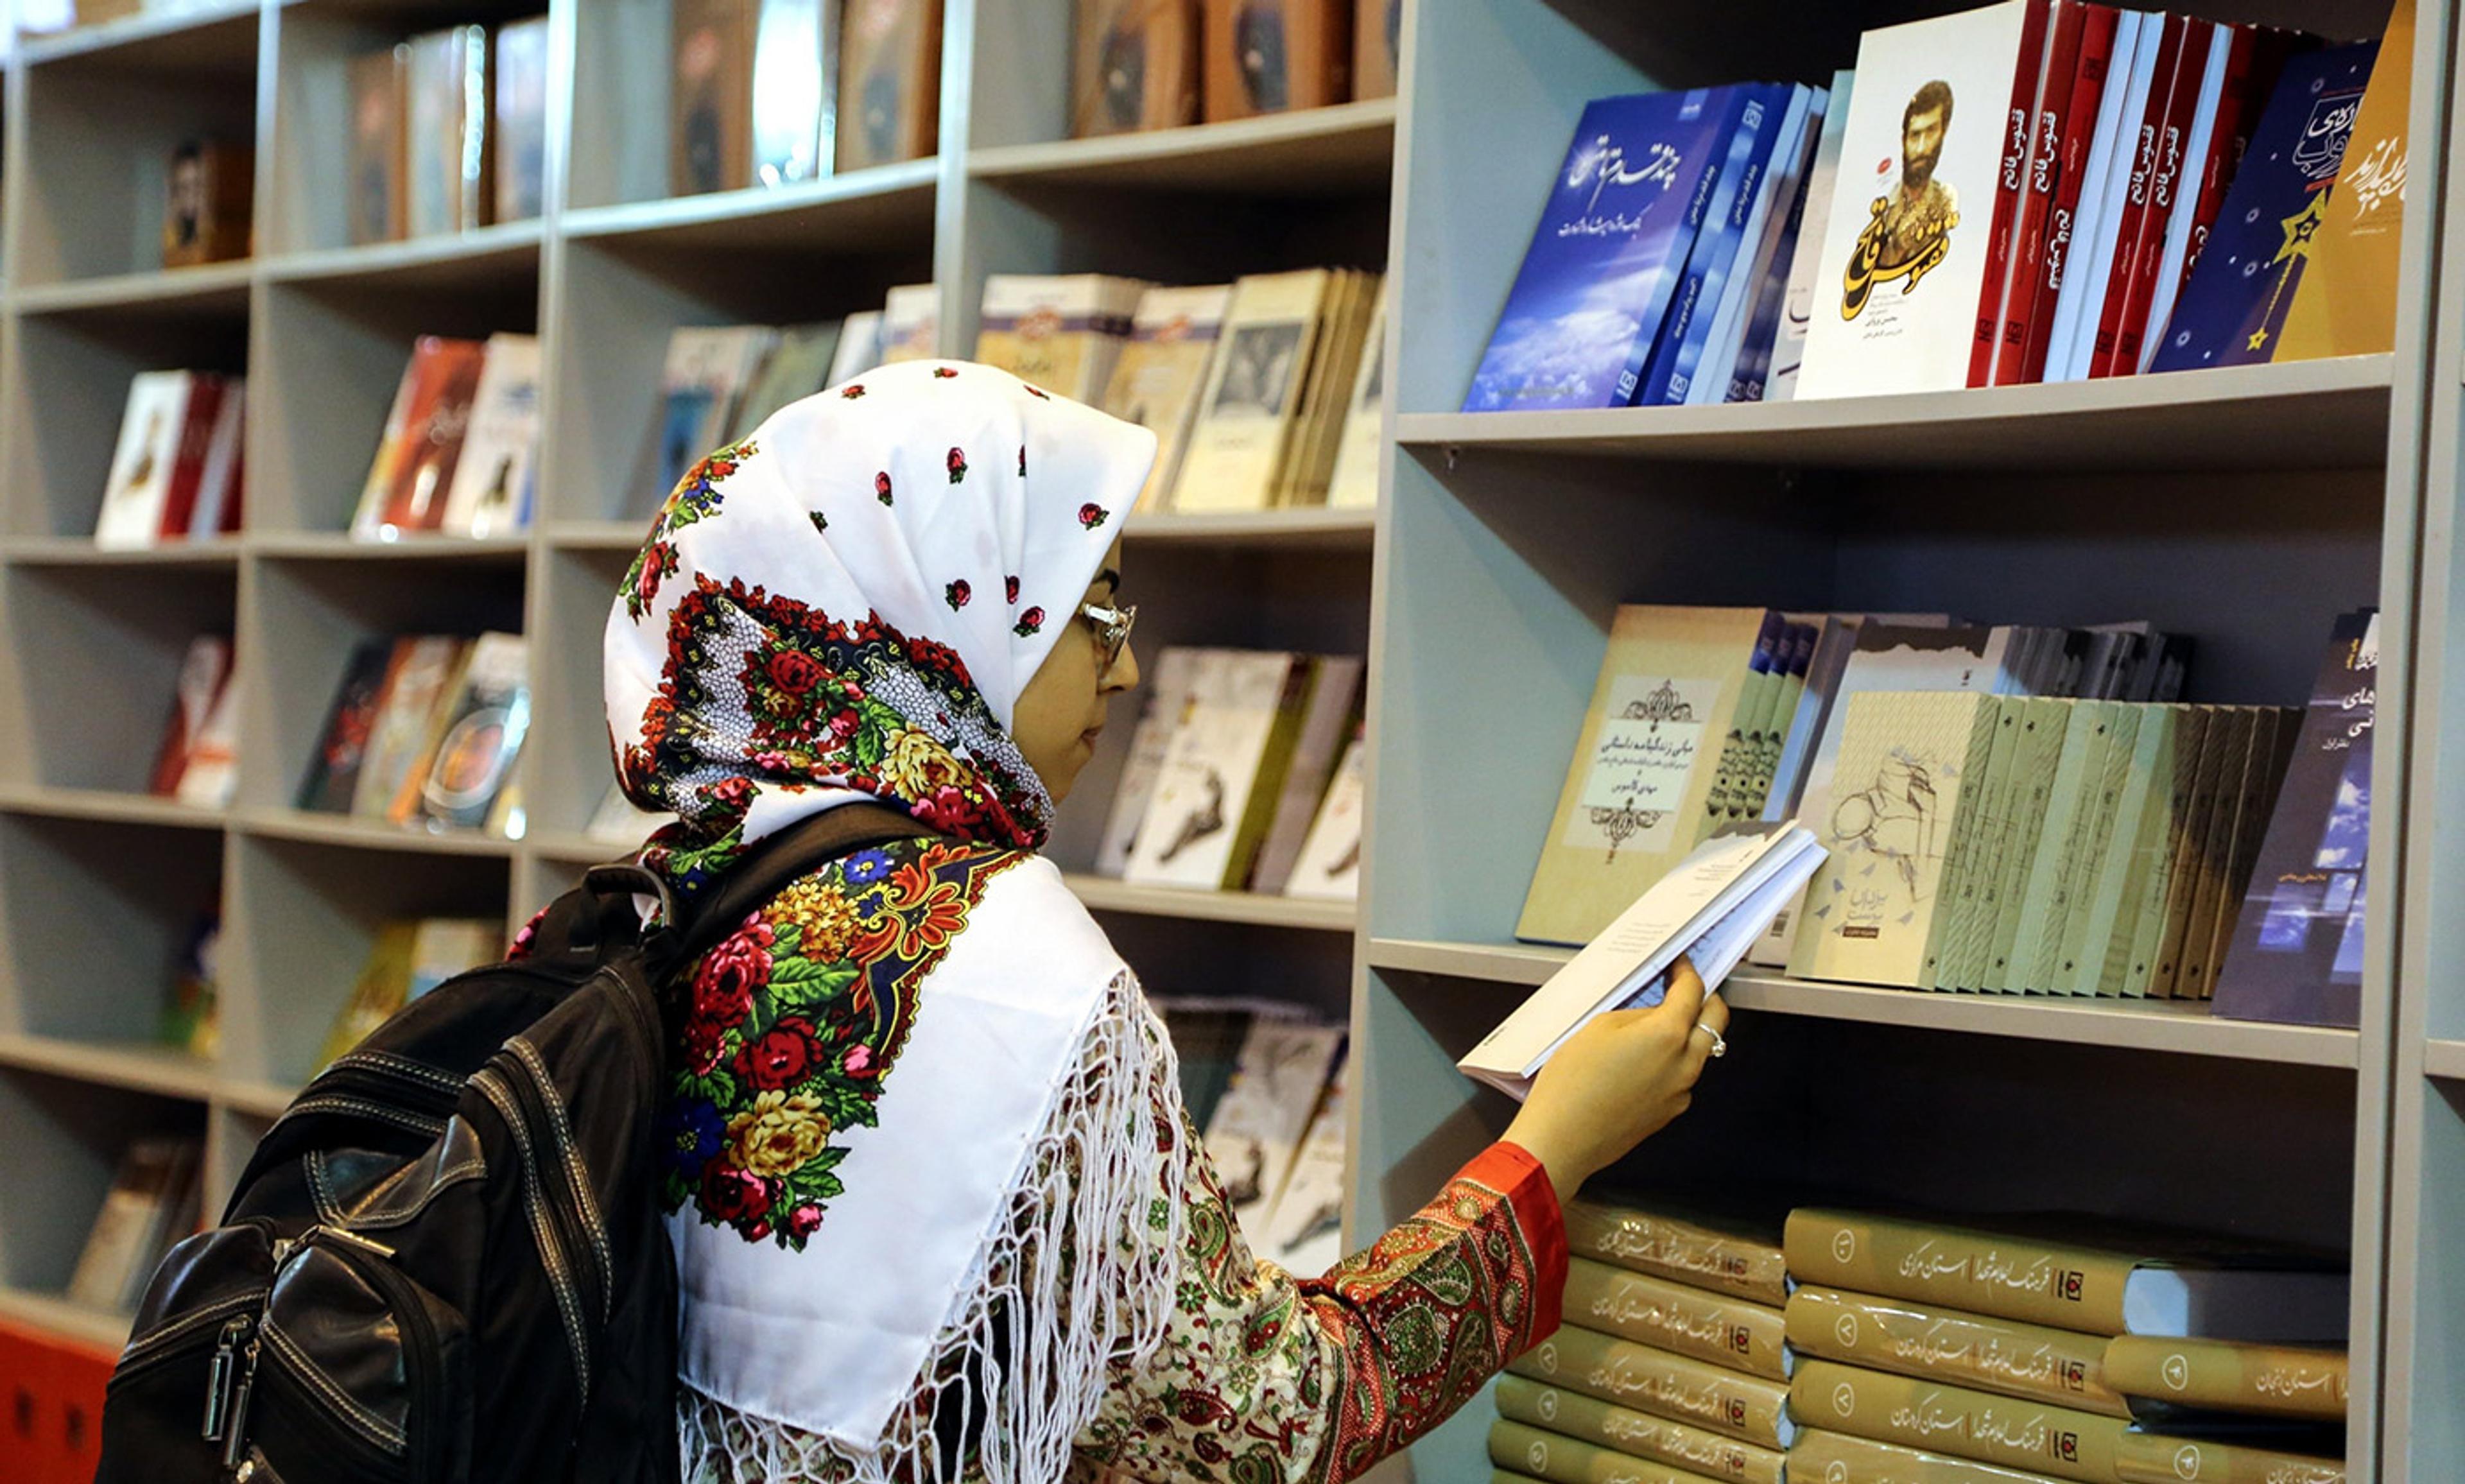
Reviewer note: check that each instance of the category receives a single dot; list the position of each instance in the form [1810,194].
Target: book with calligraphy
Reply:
[1555,1458]
[2155,1458]
[2166,1378]
[2350,309]
[2033,1362]
[2055,1441]
[1719,1252]
[1737,1333]
[1632,1435]
[1711,1397]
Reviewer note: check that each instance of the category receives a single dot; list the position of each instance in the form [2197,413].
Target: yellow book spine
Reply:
[1837,1458]
[2271,1380]
[1974,1272]
[2031,1360]
[1564,1460]
[1671,1317]
[2151,1458]
[2034,1436]
[1672,1248]
[1670,1385]
[1626,1431]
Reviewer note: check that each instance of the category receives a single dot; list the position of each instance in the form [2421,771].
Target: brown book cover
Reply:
[1564,1460]
[2032,1361]
[519,137]
[1837,1458]
[1637,1434]
[1377,37]
[1671,1317]
[451,170]
[890,81]
[379,206]
[413,469]
[1275,55]
[710,142]
[2153,1458]
[2034,1437]
[1135,66]
[206,203]
[1653,1381]
[2274,1381]
[1740,1258]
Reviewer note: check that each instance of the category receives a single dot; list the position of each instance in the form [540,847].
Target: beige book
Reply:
[2237,790]
[2060,840]
[1256,1130]
[1565,1460]
[1338,366]
[2090,944]
[1637,1376]
[911,323]
[1161,372]
[1312,392]
[1733,1332]
[1223,772]
[2059,962]
[1905,760]
[1837,1458]
[134,1223]
[1354,485]
[2274,1381]
[1246,416]
[1976,853]
[2153,1458]
[1729,1257]
[1637,1434]
[2044,724]
[2031,1361]
[1330,868]
[1063,333]
[1168,678]
[2272,738]
[2137,964]
[2212,796]
[2034,1437]
[1671,680]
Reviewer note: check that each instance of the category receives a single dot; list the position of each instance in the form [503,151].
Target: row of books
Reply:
[1157,64]
[177,469]
[1245,772]
[1263,393]
[1265,1081]
[773,92]
[197,762]
[459,450]
[423,732]
[449,132]
[1864,1348]
[2050,175]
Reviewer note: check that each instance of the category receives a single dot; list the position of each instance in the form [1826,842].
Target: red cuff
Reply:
[1508,1168]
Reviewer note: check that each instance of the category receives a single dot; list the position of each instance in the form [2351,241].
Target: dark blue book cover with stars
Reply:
[2234,306]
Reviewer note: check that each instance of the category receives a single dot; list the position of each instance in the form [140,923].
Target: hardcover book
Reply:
[379,203]
[413,469]
[1839,1458]
[1597,281]
[2036,1436]
[1134,66]
[343,743]
[2350,308]
[1062,333]
[2154,1458]
[794,93]
[451,170]
[1161,375]
[1903,268]
[1620,1371]
[1272,56]
[2297,951]
[2032,1362]
[2252,267]
[1723,1254]
[890,81]
[1636,1436]
[2162,1377]
[519,138]
[1559,1459]
[480,729]
[1691,1321]
[137,492]
[207,203]
[710,139]
[1246,416]
[491,493]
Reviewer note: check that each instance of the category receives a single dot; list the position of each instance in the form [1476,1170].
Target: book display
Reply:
[1591,637]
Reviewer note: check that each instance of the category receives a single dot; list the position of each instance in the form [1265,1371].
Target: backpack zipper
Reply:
[549,1219]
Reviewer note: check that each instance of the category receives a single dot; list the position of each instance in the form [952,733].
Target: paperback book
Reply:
[1159,377]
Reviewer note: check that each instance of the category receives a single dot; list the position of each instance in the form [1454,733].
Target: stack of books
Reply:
[177,473]
[1924,1341]
[459,448]
[1244,774]
[1158,64]
[197,762]
[1671,1363]
[449,132]
[2203,1407]
[424,732]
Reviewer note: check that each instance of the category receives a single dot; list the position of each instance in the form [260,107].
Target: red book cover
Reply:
[444,377]
[2079,128]
[2165,194]
[2259,55]
[187,470]
[203,673]
[2027,72]
[2134,221]
[2063,36]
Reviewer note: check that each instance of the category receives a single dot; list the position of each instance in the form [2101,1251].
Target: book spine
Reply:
[2046,126]
[1682,1320]
[189,465]
[2098,29]
[1706,1396]
[1838,1458]
[1971,821]
[2091,227]
[2059,962]
[2153,1458]
[1560,1459]
[1267,791]
[2010,182]
[2165,194]
[1637,1434]
[2165,286]
[1663,311]
[2032,1362]
[2129,228]
[2259,55]
[1643,1242]
[2227,735]
[1971,1272]
[2055,1441]
[1753,121]
[1771,297]
[2271,1381]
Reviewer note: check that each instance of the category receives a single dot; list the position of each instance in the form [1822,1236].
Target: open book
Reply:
[1715,904]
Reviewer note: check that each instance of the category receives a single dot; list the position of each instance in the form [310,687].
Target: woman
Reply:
[938,1211]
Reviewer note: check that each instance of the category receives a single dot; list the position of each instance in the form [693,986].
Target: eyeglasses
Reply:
[1112,625]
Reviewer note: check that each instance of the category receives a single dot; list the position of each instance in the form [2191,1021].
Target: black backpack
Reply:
[446,1261]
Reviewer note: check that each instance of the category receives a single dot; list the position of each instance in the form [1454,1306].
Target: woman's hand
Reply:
[1619,1081]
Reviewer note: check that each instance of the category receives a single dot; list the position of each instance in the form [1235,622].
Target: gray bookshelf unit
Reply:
[2245,506]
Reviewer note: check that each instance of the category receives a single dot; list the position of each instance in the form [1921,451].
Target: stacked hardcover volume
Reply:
[1672,1365]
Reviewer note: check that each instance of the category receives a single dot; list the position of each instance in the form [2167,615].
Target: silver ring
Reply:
[1720,1047]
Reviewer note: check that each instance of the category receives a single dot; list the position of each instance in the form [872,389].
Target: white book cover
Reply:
[1305,1235]
[141,462]
[1354,485]
[1329,869]
[911,323]
[1256,1130]
[859,348]
[1903,263]
[1789,350]
[1764,222]
[492,481]
[1160,716]
[2132,124]
[2109,154]
[1203,790]
[218,482]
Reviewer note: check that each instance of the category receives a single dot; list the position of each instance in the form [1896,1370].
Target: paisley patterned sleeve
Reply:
[1269,1379]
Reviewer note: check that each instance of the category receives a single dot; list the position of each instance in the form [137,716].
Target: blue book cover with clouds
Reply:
[2234,305]
[1613,241]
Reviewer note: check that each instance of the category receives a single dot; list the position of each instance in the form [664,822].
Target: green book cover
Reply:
[2077,803]
[1736,759]
[2031,716]
[2139,957]
[2064,949]
[1975,852]
[2105,935]
[2046,723]
[2081,760]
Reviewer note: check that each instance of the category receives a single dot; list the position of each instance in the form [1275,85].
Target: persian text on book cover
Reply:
[1903,262]
[2351,307]
[1643,765]
[1904,759]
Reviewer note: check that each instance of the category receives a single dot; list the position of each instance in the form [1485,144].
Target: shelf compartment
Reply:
[85,702]
[2302,414]
[2148,1025]
[1103,893]
[2443,1058]
[96,916]
[66,1140]
[850,212]
[136,1065]
[1350,529]
[1346,150]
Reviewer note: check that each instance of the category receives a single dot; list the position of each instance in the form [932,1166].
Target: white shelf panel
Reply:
[207,290]
[373,835]
[1102,894]
[81,551]
[481,257]
[1347,148]
[341,547]
[598,535]
[134,1064]
[1307,527]
[109,806]
[54,1315]
[2186,1029]
[2303,414]
[207,36]
[2445,1059]
[856,211]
